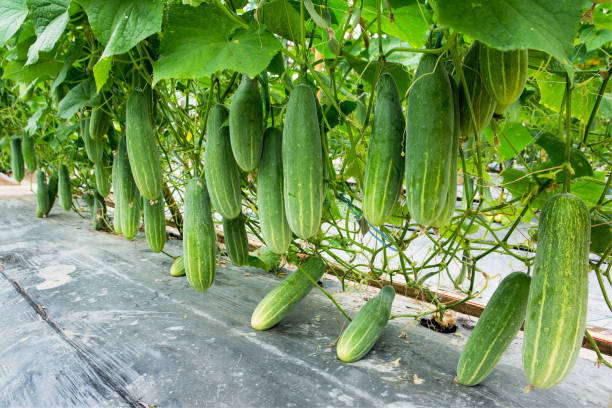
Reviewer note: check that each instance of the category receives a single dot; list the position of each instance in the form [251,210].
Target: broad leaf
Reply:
[84,94]
[281,18]
[263,258]
[555,149]
[409,20]
[513,137]
[12,14]
[370,71]
[73,53]
[44,69]
[546,25]
[50,18]
[33,121]
[101,71]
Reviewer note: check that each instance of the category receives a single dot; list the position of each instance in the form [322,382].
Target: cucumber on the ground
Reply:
[155,223]
[52,187]
[142,146]
[429,140]
[178,267]
[246,124]
[504,74]
[495,330]
[42,194]
[129,200]
[302,157]
[102,181]
[64,188]
[17,163]
[556,312]
[199,236]
[365,328]
[116,195]
[99,211]
[29,153]
[236,240]
[483,104]
[222,173]
[270,202]
[98,123]
[384,170]
[280,300]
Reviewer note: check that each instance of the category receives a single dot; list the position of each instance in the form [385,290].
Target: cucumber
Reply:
[52,187]
[270,202]
[42,195]
[363,331]
[99,211]
[483,103]
[116,195]
[222,173]
[129,200]
[302,157]
[98,123]
[102,182]
[495,330]
[155,223]
[384,170]
[64,188]
[246,124]
[504,74]
[429,141]
[199,236]
[557,307]
[17,163]
[142,146]
[29,153]
[280,300]
[236,240]
[93,148]
[178,266]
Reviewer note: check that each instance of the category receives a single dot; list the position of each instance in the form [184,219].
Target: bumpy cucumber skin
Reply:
[556,312]
[42,195]
[29,153]
[98,123]
[280,300]
[363,331]
[116,195]
[102,182]
[384,172]
[270,202]
[155,223]
[495,330]
[302,158]
[17,162]
[236,240]
[483,103]
[142,146]
[178,266]
[246,124]
[199,236]
[129,198]
[504,74]
[64,188]
[222,172]
[429,141]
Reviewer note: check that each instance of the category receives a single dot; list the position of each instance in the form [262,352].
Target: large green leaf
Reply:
[44,69]
[281,18]
[546,25]
[409,20]
[50,18]
[12,14]
[84,94]
[513,137]
[555,149]
[370,71]
[202,40]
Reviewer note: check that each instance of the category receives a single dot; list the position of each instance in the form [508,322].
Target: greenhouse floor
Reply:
[91,319]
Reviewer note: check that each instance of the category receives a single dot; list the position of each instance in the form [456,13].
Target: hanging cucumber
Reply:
[236,240]
[17,163]
[155,223]
[116,195]
[52,187]
[129,200]
[504,74]
[29,153]
[42,194]
[178,267]
[102,182]
[246,124]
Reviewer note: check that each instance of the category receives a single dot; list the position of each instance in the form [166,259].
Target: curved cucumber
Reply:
[504,74]
[270,202]
[102,182]
[236,240]
[64,188]
[42,195]
[129,200]
[155,223]
[362,333]
[199,236]
[222,173]
[302,157]
[246,124]
[429,141]
[17,163]
[495,330]
[178,267]
[29,153]
[280,300]
[556,312]
[384,170]
[142,146]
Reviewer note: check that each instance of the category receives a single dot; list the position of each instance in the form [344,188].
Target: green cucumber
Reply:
[178,266]
[280,300]
[429,141]
[98,123]
[504,74]
[93,148]
[129,200]
[116,195]
[556,312]
[495,330]
[42,194]
[99,211]
[222,173]
[384,170]
[29,153]
[236,240]
[155,223]
[17,162]
[199,236]
[270,202]
[52,187]
[246,124]
[102,182]
[365,328]
[64,188]
[142,146]
[302,157]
